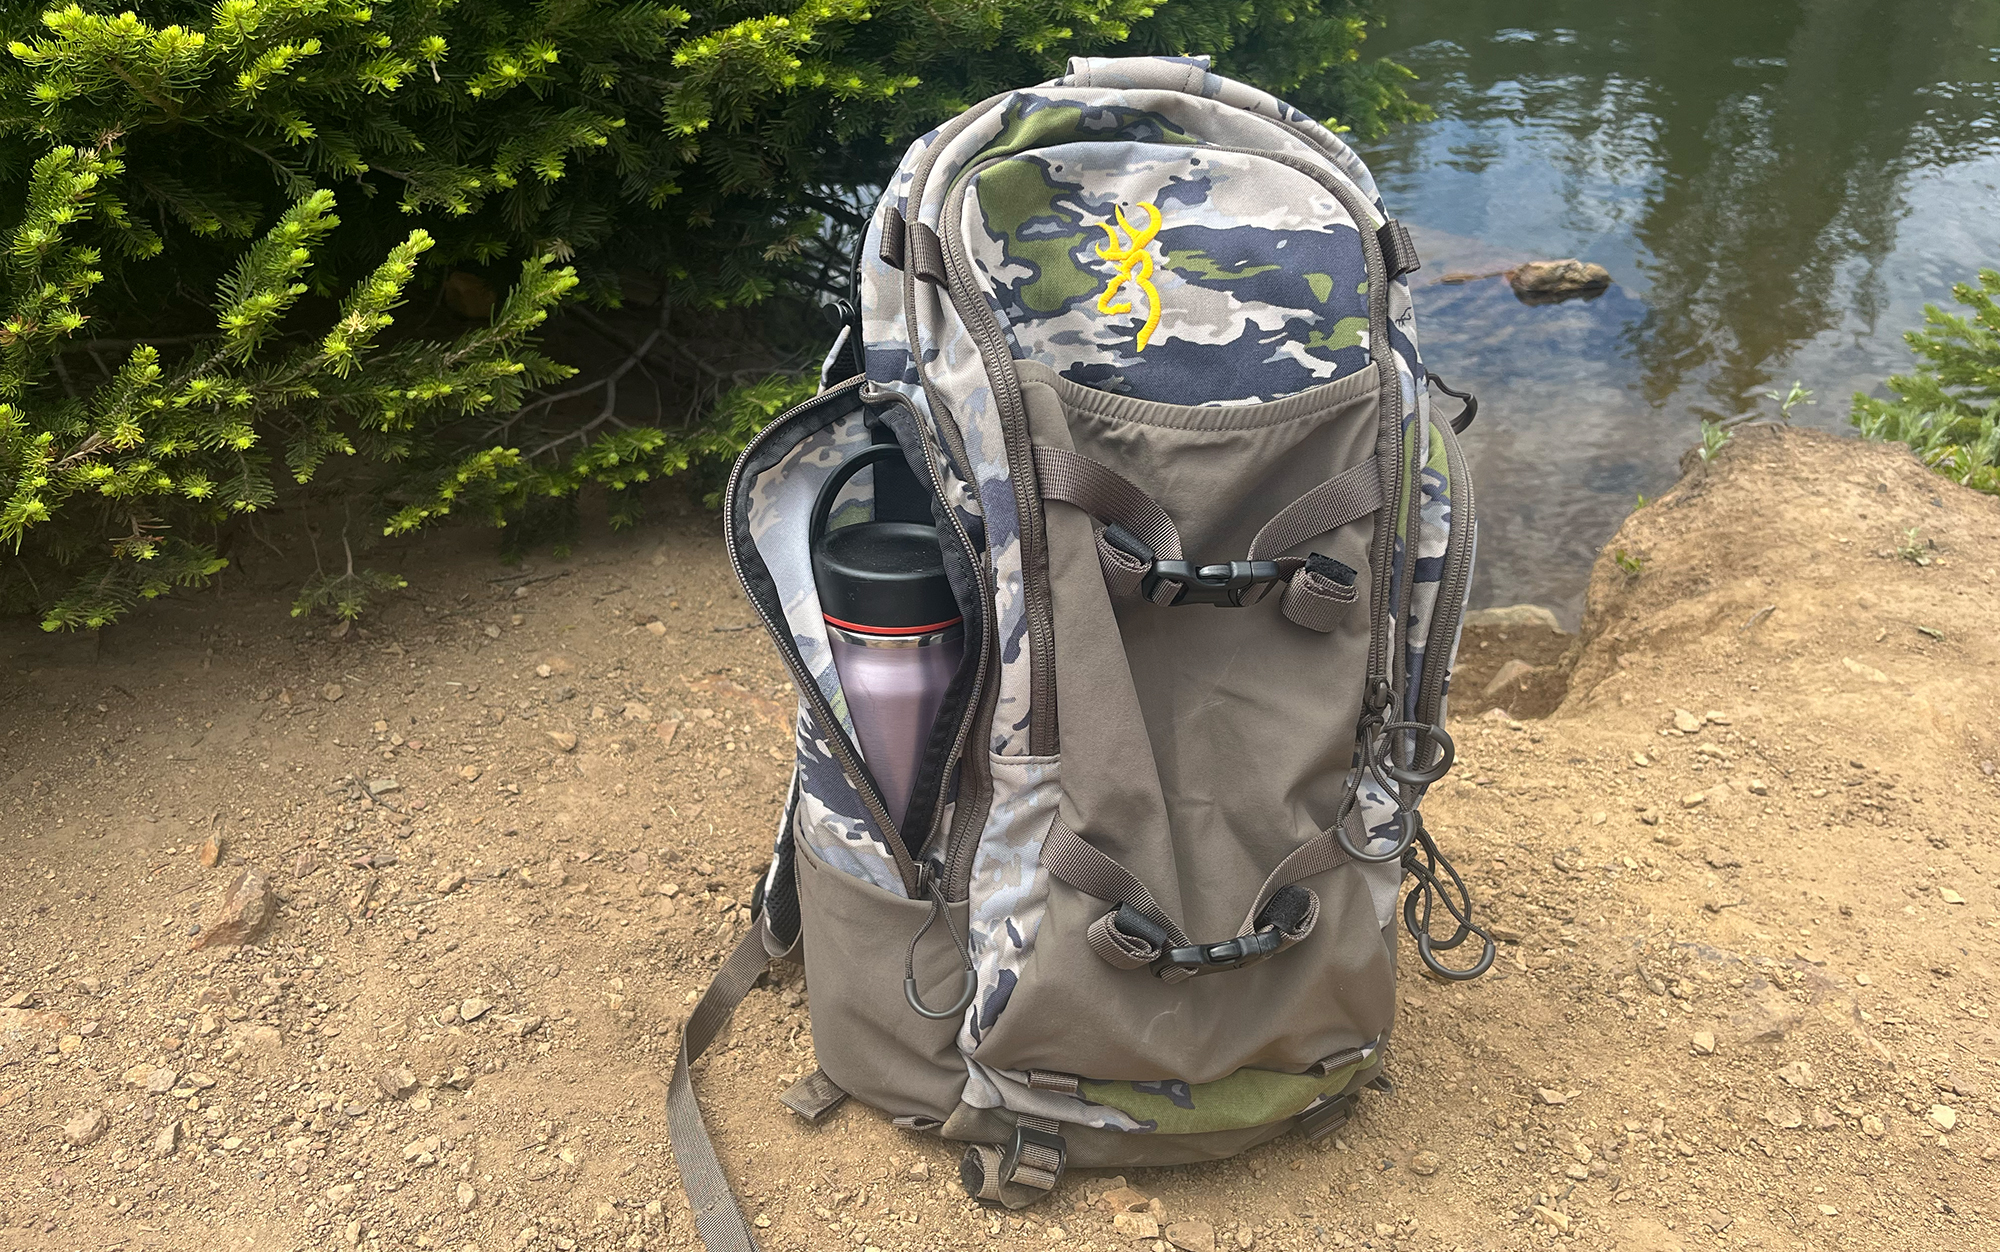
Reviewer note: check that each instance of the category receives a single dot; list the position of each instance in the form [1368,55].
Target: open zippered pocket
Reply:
[767,527]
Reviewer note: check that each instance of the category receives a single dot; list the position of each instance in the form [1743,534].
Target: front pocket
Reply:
[865,1035]
[1201,746]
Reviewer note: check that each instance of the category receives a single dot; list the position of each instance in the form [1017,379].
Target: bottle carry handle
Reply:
[830,489]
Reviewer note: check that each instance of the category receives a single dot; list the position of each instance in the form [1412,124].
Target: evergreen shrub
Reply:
[226,229]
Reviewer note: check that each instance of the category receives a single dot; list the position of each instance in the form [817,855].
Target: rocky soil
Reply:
[487,848]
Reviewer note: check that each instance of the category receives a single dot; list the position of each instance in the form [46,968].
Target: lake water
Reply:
[1776,188]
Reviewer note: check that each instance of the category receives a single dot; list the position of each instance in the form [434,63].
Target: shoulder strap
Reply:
[716,1213]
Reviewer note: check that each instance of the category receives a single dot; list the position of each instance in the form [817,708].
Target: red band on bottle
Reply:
[891,630]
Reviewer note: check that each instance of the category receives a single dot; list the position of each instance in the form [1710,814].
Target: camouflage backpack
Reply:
[1143,336]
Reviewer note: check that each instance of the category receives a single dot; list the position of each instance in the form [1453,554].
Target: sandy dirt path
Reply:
[1746,875]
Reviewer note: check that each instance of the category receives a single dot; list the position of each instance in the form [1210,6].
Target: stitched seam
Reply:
[1301,406]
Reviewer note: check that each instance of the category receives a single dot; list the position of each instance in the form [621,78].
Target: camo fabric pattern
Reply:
[989,1088]
[1252,282]
[832,818]
[1009,888]
[906,321]
[1248,1097]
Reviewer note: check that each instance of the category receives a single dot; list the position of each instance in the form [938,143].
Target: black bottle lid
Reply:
[886,577]
[882,577]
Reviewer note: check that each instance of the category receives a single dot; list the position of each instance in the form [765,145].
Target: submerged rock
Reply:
[1545,282]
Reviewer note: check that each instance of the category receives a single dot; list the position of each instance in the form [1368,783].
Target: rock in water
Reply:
[1546,282]
[246,910]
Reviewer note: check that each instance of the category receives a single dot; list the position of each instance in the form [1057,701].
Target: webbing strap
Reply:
[716,1213]
[1068,857]
[1124,573]
[923,253]
[1353,493]
[813,1096]
[1315,856]
[1311,599]
[1038,1165]
[1109,496]
[893,234]
[1315,599]
[1020,1173]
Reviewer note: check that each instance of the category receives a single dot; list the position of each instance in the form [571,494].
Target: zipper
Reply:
[968,718]
[978,317]
[843,750]
[1451,592]
[998,356]
[1381,642]
[1390,387]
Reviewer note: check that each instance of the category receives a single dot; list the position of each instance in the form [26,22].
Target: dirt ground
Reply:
[1745,874]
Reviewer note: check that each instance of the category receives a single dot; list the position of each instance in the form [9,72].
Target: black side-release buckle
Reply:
[1226,585]
[1214,958]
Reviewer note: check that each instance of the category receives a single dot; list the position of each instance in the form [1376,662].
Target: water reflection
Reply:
[1775,188]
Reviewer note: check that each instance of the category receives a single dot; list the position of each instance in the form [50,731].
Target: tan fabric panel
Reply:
[1076,1013]
[1237,722]
[867,1037]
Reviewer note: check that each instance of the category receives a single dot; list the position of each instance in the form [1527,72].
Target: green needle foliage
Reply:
[191,336]
[1949,410]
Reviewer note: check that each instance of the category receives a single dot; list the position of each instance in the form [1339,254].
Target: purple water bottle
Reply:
[894,626]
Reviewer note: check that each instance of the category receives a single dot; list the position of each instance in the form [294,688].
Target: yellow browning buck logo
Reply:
[1135,266]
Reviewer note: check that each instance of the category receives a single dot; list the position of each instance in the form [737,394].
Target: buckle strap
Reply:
[1125,559]
[1019,1172]
[1320,588]
[1068,857]
[1107,495]
[1140,933]
[1140,548]
[1353,493]
[1122,946]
